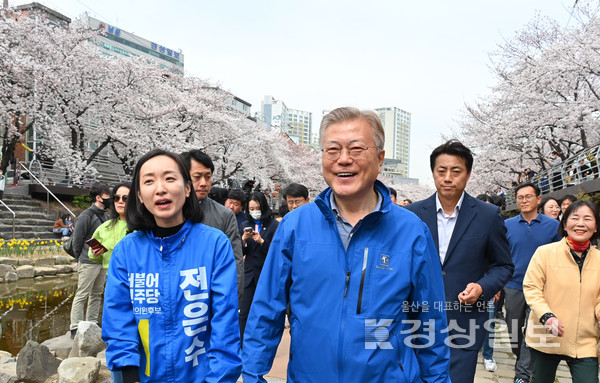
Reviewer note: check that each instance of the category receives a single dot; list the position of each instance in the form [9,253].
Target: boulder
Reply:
[62,259]
[25,261]
[11,276]
[6,269]
[8,367]
[79,370]
[37,278]
[42,270]
[88,341]
[9,261]
[60,346]
[25,271]
[35,363]
[49,261]
[6,357]
[63,269]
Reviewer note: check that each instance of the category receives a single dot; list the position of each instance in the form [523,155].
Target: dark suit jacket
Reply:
[478,252]
[255,253]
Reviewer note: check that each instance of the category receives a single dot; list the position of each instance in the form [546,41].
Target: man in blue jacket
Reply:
[361,276]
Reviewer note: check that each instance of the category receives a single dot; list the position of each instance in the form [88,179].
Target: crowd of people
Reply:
[374,289]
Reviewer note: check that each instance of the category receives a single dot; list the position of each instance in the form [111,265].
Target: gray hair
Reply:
[349,113]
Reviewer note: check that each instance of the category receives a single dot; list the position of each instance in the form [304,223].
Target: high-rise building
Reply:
[396,123]
[300,126]
[114,42]
[275,113]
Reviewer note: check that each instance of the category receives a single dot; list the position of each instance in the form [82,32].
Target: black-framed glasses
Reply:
[119,198]
[332,153]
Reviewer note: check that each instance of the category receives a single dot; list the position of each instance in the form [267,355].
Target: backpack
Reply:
[68,247]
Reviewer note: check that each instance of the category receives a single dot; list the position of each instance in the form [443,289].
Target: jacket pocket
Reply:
[362,280]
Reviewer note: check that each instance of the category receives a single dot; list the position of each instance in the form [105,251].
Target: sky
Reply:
[426,57]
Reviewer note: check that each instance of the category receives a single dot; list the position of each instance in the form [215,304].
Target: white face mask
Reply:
[256,214]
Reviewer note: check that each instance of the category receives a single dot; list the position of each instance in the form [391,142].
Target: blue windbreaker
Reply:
[373,313]
[170,307]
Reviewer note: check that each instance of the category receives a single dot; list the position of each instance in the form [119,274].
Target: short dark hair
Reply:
[266,213]
[455,148]
[569,197]
[408,200]
[218,194]
[199,156]
[295,190]
[530,185]
[98,189]
[393,192]
[138,216]
[570,210]
[484,197]
[237,194]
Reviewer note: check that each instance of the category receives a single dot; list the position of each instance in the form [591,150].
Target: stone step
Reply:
[21,205]
[39,215]
[7,235]
[23,228]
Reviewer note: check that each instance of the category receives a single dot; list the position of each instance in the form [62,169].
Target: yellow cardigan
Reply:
[553,284]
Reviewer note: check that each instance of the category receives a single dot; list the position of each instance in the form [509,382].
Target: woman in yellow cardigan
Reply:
[562,288]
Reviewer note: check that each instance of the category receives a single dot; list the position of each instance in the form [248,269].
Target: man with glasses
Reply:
[360,274]
[525,233]
[295,195]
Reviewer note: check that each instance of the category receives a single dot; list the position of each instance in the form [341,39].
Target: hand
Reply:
[98,251]
[257,238]
[246,235]
[555,327]
[471,293]
[497,296]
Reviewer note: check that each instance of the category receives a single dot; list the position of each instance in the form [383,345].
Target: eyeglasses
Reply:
[298,202]
[119,198]
[332,153]
[528,197]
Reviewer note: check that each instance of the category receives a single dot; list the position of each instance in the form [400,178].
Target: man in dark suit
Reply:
[470,237]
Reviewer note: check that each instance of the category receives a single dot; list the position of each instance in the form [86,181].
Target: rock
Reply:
[79,370]
[7,377]
[25,271]
[41,270]
[38,278]
[62,259]
[6,357]
[6,269]
[11,276]
[9,261]
[63,269]
[60,346]
[88,341]
[44,261]
[24,261]
[35,363]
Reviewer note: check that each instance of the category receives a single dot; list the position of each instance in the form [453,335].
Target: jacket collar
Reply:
[323,203]
[169,244]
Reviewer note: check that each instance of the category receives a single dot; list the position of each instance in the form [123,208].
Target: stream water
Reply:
[35,310]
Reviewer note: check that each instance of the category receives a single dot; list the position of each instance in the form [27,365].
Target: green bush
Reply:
[82,201]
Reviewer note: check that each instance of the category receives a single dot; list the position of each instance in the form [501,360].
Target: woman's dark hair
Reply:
[544,201]
[114,216]
[266,213]
[138,217]
[570,210]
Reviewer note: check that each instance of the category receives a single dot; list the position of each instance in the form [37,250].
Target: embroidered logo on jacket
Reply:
[384,263]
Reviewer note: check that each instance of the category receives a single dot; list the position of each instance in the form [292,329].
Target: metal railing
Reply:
[14,217]
[48,192]
[575,170]
[49,173]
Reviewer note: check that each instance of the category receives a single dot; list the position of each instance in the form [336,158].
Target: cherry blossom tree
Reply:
[547,99]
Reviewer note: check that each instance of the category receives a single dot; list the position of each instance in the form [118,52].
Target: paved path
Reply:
[503,355]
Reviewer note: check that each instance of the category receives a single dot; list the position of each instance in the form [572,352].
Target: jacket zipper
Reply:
[362,280]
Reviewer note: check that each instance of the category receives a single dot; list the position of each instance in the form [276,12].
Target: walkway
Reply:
[502,354]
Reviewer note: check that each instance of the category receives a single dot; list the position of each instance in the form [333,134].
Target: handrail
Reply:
[568,173]
[14,216]
[48,191]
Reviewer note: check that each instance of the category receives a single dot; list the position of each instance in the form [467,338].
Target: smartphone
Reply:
[94,244]
[248,229]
